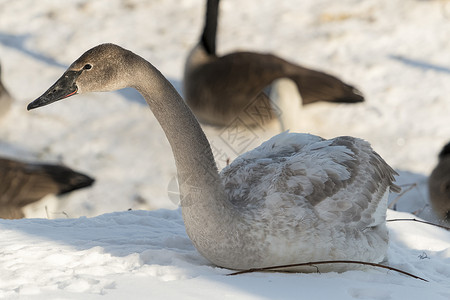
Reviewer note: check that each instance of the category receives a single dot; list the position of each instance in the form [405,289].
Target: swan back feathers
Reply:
[340,180]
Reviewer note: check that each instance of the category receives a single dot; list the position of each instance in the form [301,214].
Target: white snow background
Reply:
[87,245]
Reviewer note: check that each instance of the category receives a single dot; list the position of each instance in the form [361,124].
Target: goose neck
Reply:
[208,39]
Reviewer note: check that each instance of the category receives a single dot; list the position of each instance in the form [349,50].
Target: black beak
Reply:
[358,95]
[63,88]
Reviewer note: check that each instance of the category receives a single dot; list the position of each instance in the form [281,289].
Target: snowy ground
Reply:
[395,51]
[147,255]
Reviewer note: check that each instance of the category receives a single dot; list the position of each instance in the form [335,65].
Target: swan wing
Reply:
[341,180]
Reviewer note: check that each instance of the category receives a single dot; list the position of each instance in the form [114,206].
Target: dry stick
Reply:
[411,186]
[419,221]
[46,212]
[326,262]
[48,215]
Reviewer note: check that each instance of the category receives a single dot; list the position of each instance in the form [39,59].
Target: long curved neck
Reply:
[208,39]
[203,198]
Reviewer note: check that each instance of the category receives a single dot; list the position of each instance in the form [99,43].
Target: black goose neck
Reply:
[208,38]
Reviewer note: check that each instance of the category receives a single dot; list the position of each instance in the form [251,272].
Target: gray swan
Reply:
[23,183]
[219,89]
[439,185]
[5,97]
[296,198]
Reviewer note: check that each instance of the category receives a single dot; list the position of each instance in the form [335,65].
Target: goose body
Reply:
[296,198]
[23,183]
[220,89]
[439,185]
[5,97]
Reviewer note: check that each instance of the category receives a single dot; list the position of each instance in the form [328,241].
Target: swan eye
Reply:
[87,67]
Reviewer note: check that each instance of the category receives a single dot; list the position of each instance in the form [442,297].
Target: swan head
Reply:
[101,69]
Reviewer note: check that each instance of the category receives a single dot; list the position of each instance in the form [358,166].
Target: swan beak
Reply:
[65,87]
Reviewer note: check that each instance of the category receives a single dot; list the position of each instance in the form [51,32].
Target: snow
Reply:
[147,254]
[87,245]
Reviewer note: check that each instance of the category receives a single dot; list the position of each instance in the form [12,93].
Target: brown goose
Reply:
[23,183]
[218,89]
[5,97]
[296,198]
[439,185]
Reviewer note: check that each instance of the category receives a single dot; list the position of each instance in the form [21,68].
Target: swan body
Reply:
[439,185]
[5,98]
[221,89]
[23,183]
[296,198]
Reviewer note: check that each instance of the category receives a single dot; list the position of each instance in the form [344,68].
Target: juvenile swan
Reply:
[296,198]
[22,183]
[439,185]
[218,89]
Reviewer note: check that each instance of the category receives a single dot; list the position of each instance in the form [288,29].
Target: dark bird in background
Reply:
[439,185]
[22,183]
[5,97]
[219,89]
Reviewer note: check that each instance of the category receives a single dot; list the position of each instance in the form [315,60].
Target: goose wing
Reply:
[317,86]
[340,180]
[237,78]
[232,80]
[23,183]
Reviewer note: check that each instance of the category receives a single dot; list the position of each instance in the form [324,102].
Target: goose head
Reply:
[101,69]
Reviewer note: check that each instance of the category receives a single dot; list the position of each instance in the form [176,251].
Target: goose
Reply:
[5,97]
[23,183]
[295,198]
[439,185]
[220,89]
